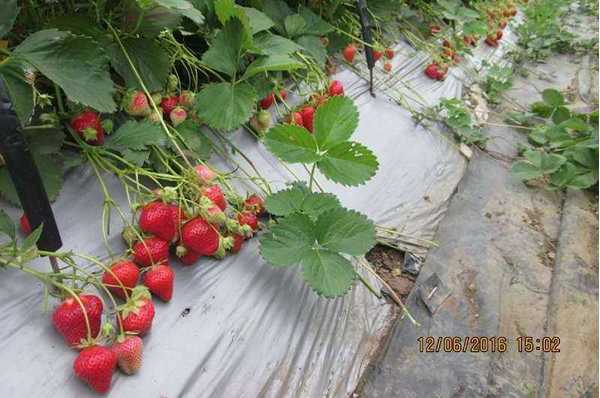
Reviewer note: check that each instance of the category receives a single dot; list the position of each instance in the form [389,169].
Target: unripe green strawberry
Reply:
[135,103]
[178,115]
[154,117]
[187,98]
[129,235]
[264,120]
[172,83]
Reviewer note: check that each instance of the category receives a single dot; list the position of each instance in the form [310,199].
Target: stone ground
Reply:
[518,261]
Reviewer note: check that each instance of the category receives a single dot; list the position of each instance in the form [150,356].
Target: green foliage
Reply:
[564,151]
[455,115]
[315,232]
[7,226]
[19,90]
[498,79]
[225,106]
[10,10]
[342,161]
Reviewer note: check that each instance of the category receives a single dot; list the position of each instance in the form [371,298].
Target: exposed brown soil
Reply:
[388,264]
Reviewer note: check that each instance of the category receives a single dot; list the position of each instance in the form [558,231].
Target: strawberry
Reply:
[254,204]
[248,218]
[159,280]
[308,113]
[179,216]
[215,194]
[123,271]
[387,67]
[88,126]
[498,34]
[201,237]
[215,215]
[205,174]
[187,256]
[95,365]
[469,40]
[186,99]
[263,119]
[297,119]
[389,53]
[69,320]
[435,72]
[377,55]
[238,241]
[150,251]
[283,94]
[168,104]
[491,41]
[135,103]
[24,224]
[318,99]
[336,88]
[177,116]
[137,314]
[157,218]
[266,102]
[349,53]
[435,29]
[128,350]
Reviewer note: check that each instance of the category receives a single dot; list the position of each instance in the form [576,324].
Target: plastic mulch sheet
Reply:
[238,327]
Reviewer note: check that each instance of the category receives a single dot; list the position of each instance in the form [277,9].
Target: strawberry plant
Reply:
[498,79]
[564,145]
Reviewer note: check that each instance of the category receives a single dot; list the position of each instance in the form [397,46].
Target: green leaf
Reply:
[314,47]
[345,231]
[335,121]
[225,106]
[76,63]
[277,10]
[293,144]
[225,9]
[31,239]
[225,51]
[154,21]
[584,181]
[349,163]
[150,60]
[136,157]
[298,199]
[560,115]
[258,20]
[272,63]
[295,25]
[270,44]
[542,109]
[315,25]
[328,273]
[553,97]
[184,8]
[194,138]
[44,141]
[19,90]
[10,10]
[288,241]
[134,135]
[563,175]
[524,170]
[7,226]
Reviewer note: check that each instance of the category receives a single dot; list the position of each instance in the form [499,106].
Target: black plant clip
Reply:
[365,24]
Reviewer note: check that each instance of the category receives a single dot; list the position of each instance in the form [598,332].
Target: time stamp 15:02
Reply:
[550,344]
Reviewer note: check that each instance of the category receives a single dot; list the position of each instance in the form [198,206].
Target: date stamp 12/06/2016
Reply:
[431,344]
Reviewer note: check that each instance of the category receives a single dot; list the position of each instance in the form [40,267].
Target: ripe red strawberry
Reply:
[249,219]
[88,126]
[491,41]
[254,204]
[283,94]
[435,29]
[150,251]
[349,53]
[124,271]
[215,194]
[95,365]
[205,174]
[187,256]
[387,67]
[201,237]
[503,23]
[128,350]
[308,113]
[168,104]
[389,53]
[377,55]
[186,99]
[177,115]
[135,103]
[499,34]
[435,72]
[266,102]
[24,225]
[238,241]
[159,280]
[469,40]
[69,321]
[179,216]
[336,88]
[137,314]
[297,119]
[157,218]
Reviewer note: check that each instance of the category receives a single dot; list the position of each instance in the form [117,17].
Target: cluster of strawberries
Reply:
[203,228]
[497,21]
[349,53]
[304,115]
[262,121]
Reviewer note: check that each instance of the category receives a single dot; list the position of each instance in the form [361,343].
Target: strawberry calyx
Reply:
[89,134]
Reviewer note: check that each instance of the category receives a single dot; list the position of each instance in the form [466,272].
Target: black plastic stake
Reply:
[25,176]
[367,38]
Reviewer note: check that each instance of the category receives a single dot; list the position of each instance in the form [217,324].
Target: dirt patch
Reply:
[388,264]
[547,252]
